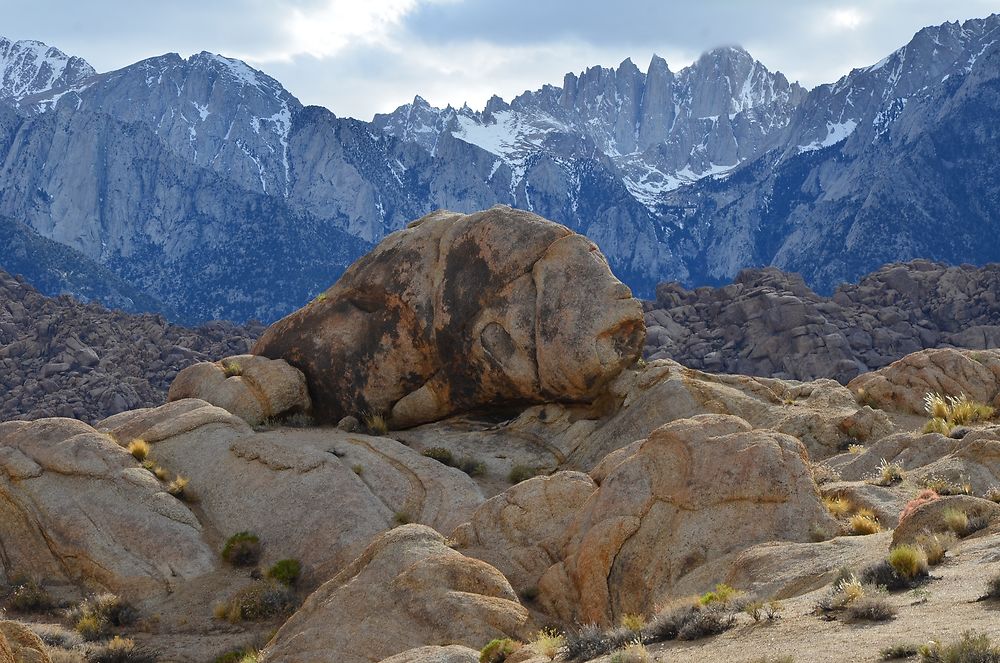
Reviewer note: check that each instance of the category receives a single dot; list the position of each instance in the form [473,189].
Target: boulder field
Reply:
[529,471]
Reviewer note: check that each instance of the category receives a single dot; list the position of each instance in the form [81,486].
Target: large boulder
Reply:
[448,654]
[19,644]
[930,516]
[318,495]
[408,589]
[457,312]
[947,371]
[253,388]
[76,507]
[694,491]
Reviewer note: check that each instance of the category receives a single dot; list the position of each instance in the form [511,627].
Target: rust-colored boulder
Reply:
[457,312]
[22,645]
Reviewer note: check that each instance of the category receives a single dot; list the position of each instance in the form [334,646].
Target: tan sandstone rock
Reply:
[457,312]
[75,506]
[253,388]
[22,644]
[407,589]
[316,494]
[449,654]
[947,371]
[520,530]
[694,491]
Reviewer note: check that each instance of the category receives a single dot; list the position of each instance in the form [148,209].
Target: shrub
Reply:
[864,522]
[908,561]
[855,449]
[923,497]
[822,473]
[893,652]
[956,521]
[993,494]
[90,627]
[471,466]
[548,642]
[232,369]
[723,594]
[935,546]
[286,571]
[936,406]
[29,595]
[161,473]
[139,449]
[441,455]
[706,622]
[993,587]
[374,422]
[123,650]
[94,617]
[972,648]
[402,518]
[242,549]
[178,488]
[632,622]
[586,643]
[837,506]
[631,653]
[887,474]
[497,650]
[882,574]
[964,410]
[239,656]
[872,607]
[261,600]
[520,473]
[358,469]
[943,486]
[937,425]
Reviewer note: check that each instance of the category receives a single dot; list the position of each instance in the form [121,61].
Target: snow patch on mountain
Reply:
[29,67]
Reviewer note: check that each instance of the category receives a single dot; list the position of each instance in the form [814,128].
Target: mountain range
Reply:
[201,188]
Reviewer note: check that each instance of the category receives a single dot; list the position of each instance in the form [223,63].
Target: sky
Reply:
[361,57]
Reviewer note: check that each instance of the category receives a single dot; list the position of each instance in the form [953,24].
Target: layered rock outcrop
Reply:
[407,589]
[77,508]
[461,311]
[18,644]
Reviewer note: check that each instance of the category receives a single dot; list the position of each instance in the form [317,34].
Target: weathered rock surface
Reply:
[769,323]
[448,654]
[77,508]
[407,589]
[949,372]
[458,312]
[20,645]
[694,491]
[61,358]
[929,517]
[253,388]
[519,530]
[318,495]
[973,459]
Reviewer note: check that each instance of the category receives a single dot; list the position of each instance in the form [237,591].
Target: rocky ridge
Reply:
[771,323]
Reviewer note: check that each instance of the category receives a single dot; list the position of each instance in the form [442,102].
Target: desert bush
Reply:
[66,656]
[964,410]
[548,642]
[722,594]
[972,648]
[471,466]
[441,455]
[837,506]
[822,473]
[261,600]
[586,643]
[855,449]
[937,425]
[28,595]
[955,521]
[936,545]
[863,523]
[178,488]
[993,587]
[945,486]
[358,469]
[402,518]
[90,627]
[232,369]
[631,653]
[909,561]
[706,622]
[56,635]
[992,494]
[246,655]
[936,406]
[94,617]
[123,650]
[632,622]
[872,607]
[286,571]
[882,574]
[242,549]
[374,422]
[161,473]
[520,473]
[139,449]
[497,650]
[887,474]
[897,651]
[925,496]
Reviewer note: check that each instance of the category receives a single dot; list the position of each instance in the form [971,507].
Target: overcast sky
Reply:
[359,57]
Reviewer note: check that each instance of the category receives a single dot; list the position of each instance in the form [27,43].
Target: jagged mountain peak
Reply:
[29,67]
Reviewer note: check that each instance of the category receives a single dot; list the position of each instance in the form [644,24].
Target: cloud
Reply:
[360,57]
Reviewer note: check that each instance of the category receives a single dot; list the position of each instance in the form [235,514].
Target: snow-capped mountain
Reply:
[660,130]
[28,67]
[209,187]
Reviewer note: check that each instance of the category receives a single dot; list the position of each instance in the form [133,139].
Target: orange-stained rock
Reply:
[458,312]
[22,645]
